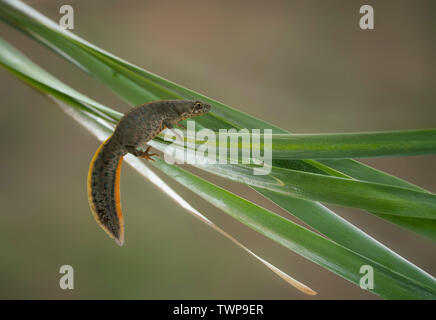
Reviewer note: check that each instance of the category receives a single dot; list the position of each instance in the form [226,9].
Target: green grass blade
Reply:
[364,172]
[354,145]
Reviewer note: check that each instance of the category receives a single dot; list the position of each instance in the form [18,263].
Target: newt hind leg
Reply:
[141,154]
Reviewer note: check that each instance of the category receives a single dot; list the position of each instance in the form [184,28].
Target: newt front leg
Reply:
[141,154]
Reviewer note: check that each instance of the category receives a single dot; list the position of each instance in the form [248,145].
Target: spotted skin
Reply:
[134,130]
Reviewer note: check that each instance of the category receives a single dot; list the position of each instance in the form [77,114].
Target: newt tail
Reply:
[135,129]
[104,189]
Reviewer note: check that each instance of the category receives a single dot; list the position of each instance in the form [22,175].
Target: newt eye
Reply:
[197,105]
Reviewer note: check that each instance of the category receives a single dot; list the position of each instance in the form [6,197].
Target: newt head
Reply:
[191,108]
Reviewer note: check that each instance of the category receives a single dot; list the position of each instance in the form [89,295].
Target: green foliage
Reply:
[297,183]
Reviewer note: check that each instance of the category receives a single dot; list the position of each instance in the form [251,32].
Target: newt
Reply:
[138,126]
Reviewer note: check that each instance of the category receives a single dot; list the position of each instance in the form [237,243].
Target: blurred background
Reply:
[305,66]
